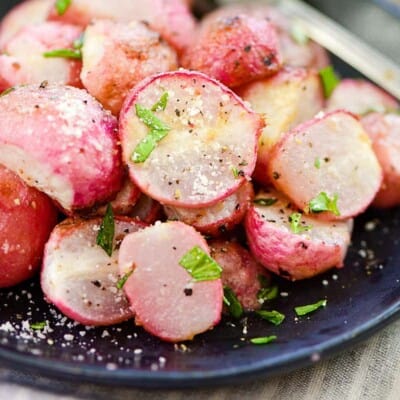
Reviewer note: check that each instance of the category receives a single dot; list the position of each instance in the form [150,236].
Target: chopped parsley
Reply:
[105,237]
[120,284]
[317,163]
[74,53]
[275,317]
[200,265]
[323,202]
[329,80]
[232,302]
[263,340]
[62,6]
[304,310]
[158,129]
[265,201]
[268,293]
[296,225]
[38,326]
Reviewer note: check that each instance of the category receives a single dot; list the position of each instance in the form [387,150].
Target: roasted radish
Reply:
[61,141]
[384,131]
[360,97]
[218,218]
[234,49]
[290,97]
[117,56]
[169,301]
[80,278]
[327,165]
[240,272]
[26,220]
[291,244]
[41,52]
[188,140]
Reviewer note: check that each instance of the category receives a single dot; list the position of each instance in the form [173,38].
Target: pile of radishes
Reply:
[138,144]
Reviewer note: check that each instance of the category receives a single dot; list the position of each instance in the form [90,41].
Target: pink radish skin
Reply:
[290,97]
[79,278]
[137,52]
[167,303]
[359,97]
[26,220]
[28,12]
[332,154]
[294,256]
[212,134]
[308,55]
[23,61]
[240,271]
[234,50]
[219,218]
[384,131]
[61,141]
[171,18]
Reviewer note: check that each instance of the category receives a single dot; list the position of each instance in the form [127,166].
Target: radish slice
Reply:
[166,299]
[79,278]
[219,218]
[61,141]
[208,149]
[328,159]
[384,131]
[293,245]
[240,273]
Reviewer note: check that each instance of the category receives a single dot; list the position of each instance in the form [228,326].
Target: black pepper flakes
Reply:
[188,291]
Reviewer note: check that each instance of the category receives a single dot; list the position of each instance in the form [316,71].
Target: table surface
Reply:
[370,370]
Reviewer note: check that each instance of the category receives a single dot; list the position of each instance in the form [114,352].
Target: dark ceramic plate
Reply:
[362,298]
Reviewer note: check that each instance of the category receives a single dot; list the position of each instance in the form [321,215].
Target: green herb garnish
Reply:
[120,284]
[232,302]
[62,6]
[324,203]
[63,53]
[275,317]
[296,224]
[235,172]
[265,201]
[161,104]
[329,80]
[268,293]
[317,163]
[304,310]
[298,34]
[158,130]
[105,237]
[200,265]
[263,340]
[7,91]
[38,326]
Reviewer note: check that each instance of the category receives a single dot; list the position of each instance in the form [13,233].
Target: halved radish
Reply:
[235,49]
[26,220]
[360,96]
[79,278]
[137,52]
[208,145]
[293,245]
[384,131]
[24,58]
[60,140]
[288,98]
[168,302]
[240,271]
[327,164]
[218,218]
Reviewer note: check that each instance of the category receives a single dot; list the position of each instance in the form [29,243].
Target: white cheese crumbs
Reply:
[325,282]
[68,337]
[284,294]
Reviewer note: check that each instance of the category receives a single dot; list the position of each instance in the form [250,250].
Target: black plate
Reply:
[362,297]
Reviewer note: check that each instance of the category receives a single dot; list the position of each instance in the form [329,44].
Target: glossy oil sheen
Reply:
[362,298]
